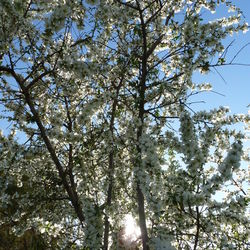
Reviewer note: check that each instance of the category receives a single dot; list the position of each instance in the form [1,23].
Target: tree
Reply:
[99,90]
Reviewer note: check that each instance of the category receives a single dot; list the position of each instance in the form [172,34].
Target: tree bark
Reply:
[110,169]
[142,89]
[69,189]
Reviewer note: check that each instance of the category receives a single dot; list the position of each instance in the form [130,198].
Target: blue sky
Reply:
[235,85]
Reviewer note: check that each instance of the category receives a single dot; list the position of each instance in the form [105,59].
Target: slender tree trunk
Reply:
[142,89]
[140,196]
[110,170]
[197,228]
[142,217]
[73,196]
[108,202]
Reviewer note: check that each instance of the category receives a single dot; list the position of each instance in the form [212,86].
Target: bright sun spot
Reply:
[132,231]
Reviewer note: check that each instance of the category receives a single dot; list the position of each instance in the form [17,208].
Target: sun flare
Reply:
[132,231]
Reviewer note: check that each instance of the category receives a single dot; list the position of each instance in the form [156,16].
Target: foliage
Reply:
[98,93]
